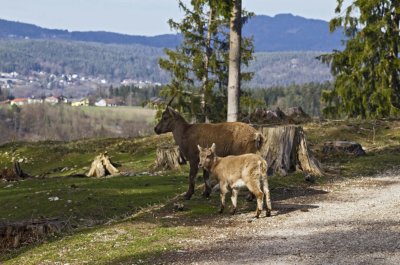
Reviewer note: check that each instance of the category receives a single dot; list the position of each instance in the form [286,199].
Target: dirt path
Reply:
[351,222]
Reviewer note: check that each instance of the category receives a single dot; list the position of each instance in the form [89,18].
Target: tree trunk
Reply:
[395,31]
[234,60]
[168,158]
[207,56]
[286,150]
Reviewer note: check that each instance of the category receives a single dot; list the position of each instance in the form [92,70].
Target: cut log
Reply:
[169,158]
[343,147]
[14,174]
[102,166]
[286,150]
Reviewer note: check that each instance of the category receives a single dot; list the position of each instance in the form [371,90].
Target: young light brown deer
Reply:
[232,138]
[235,171]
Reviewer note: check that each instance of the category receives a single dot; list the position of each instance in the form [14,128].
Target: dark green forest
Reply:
[286,68]
[307,96]
[117,62]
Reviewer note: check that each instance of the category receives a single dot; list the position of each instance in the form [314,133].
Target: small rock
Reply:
[9,186]
[52,199]
[310,178]
[179,206]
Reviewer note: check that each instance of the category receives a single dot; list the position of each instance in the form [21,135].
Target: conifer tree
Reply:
[367,71]
[199,66]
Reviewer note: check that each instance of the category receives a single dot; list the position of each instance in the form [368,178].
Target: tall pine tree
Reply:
[199,66]
[367,71]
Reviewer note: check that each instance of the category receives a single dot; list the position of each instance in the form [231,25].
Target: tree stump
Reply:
[102,166]
[14,174]
[169,158]
[15,234]
[343,147]
[286,150]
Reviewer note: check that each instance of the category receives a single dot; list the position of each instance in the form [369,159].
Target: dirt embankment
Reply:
[350,222]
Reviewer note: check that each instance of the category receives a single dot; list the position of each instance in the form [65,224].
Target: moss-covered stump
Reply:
[168,158]
[13,174]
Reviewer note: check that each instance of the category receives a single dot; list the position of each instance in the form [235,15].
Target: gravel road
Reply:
[350,222]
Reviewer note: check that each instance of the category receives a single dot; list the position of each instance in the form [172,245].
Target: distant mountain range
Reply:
[284,32]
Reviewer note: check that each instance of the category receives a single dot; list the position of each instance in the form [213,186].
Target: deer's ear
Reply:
[213,148]
[171,111]
[199,147]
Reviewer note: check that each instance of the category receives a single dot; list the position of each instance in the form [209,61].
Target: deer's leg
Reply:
[223,191]
[234,200]
[192,179]
[255,188]
[207,184]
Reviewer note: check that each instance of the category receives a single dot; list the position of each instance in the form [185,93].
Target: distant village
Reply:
[71,89]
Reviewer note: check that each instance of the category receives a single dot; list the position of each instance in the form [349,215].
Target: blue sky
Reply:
[138,17]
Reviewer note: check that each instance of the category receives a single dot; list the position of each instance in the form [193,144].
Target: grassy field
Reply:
[123,112]
[129,219]
[66,123]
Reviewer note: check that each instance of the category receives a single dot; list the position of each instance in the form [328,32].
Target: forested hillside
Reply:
[117,62]
[286,68]
[89,59]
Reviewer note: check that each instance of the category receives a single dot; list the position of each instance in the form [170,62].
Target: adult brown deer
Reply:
[231,138]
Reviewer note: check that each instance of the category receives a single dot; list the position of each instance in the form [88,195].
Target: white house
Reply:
[51,100]
[33,100]
[101,103]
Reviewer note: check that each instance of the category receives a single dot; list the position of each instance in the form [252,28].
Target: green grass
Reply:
[116,244]
[49,158]
[138,204]
[85,199]
[380,139]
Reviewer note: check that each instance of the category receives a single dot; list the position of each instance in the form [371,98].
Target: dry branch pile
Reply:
[293,115]
[286,150]
[102,166]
